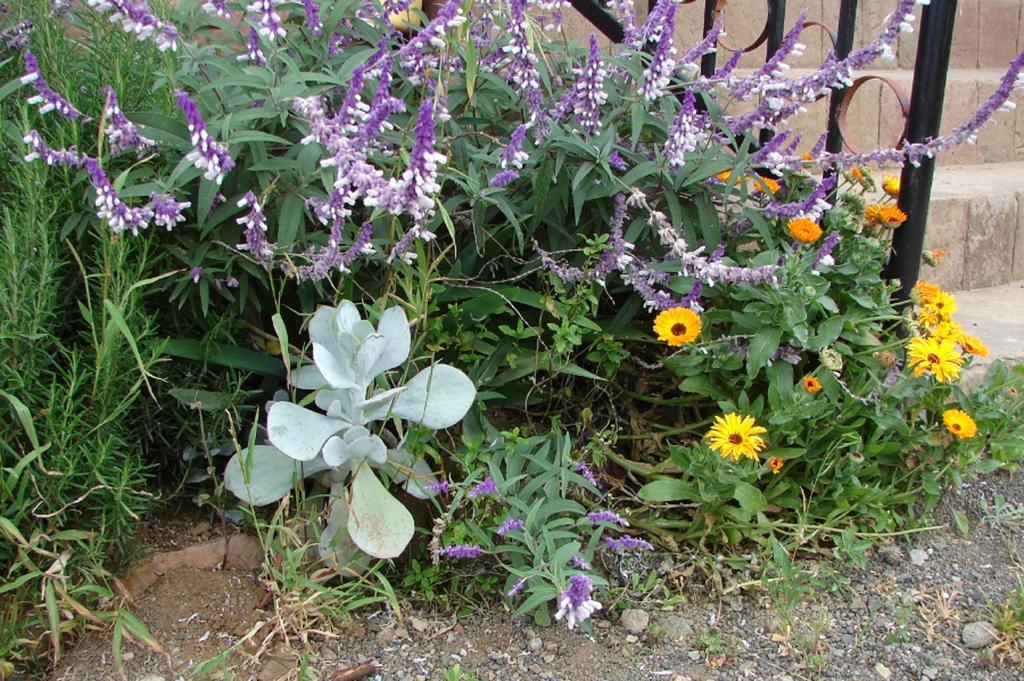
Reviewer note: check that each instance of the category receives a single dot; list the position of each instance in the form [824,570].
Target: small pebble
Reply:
[883,672]
[977,635]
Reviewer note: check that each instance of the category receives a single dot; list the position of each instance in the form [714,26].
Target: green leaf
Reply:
[225,355]
[666,489]
[205,400]
[377,523]
[290,220]
[749,497]
[962,523]
[762,347]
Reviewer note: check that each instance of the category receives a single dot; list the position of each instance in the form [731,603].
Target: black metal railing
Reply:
[922,118]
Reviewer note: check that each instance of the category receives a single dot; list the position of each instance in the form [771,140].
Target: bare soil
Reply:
[899,618]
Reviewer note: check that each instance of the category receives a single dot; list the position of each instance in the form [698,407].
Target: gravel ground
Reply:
[901,617]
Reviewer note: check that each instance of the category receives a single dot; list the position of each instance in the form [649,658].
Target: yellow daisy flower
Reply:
[936,357]
[891,186]
[960,423]
[811,384]
[943,305]
[760,184]
[947,330]
[677,325]
[804,230]
[775,463]
[972,345]
[734,436]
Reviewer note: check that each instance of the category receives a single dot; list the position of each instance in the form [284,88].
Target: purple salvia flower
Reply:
[121,132]
[786,353]
[316,26]
[167,211]
[109,206]
[217,7]
[255,223]
[616,161]
[775,67]
[136,17]
[517,587]
[513,154]
[577,562]
[504,177]
[46,97]
[625,12]
[567,273]
[617,256]
[412,57]
[659,71]
[522,72]
[643,280]
[511,525]
[811,207]
[725,70]
[575,603]
[384,105]
[206,154]
[195,273]
[823,258]
[60,8]
[51,157]
[893,375]
[253,50]
[459,551]
[627,543]
[16,37]
[231,282]
[333,259]
[335,43]
[688,132]
[268,21]
[485,487]
[440,487]
[589,94]
[584,470]
[706,46]
[596,517]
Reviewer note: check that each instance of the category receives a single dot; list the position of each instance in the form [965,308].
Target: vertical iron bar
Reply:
[776,32]
[601,18]
[926,99]
[844,44]
[707,62]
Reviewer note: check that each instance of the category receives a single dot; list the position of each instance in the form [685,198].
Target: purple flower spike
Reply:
[575,603]
[627,543]
[504,178]
[109,206]
[218,8]
[207,155]
[333,259]
[659,72]
[823,258]
[255,223]
[459,551]
[616,161]
[596,517]
[195,274]
[511,525]
[440,487]
[167,210]
[16,37]
[588,91]
[689,131]
[485,487]
[316,26]
[267,19]
[583,469]
[47,99]
[253,50]
[522,72]
[136,17]
[578,563]
[121,132]
[51,157]
[517,587]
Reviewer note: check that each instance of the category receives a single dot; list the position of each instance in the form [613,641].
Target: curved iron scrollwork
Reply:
[851,92]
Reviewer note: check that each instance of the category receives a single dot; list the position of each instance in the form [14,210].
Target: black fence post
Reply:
[776,26]
[601,18]
[843,45]
[707,62]
[926,99]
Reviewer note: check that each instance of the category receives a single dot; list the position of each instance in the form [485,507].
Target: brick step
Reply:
[988,33]
[977,215]
[875,121]
[996,315]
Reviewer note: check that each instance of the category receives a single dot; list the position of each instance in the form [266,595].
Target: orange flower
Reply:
[935,256]
[878,215]
[807,157]
[804,230]
[761,183]
[775,463]
[858,173]
[972,345]
[811,384]
[926,293]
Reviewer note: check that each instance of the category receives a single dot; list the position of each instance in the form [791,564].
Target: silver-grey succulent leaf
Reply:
[271,474]
[299,432]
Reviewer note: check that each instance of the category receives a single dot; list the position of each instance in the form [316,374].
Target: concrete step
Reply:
[977,216]
[996,315]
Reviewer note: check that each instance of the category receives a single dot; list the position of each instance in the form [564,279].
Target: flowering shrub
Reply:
[588,232]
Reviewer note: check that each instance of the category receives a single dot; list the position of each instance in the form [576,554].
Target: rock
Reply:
[199,528]
[883,671]
[535,644]
[635,621]
[918,557]
[151,677]
[892,554]
[930,673]
[419,625]
[676,628]
[693,655]
[978,635]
